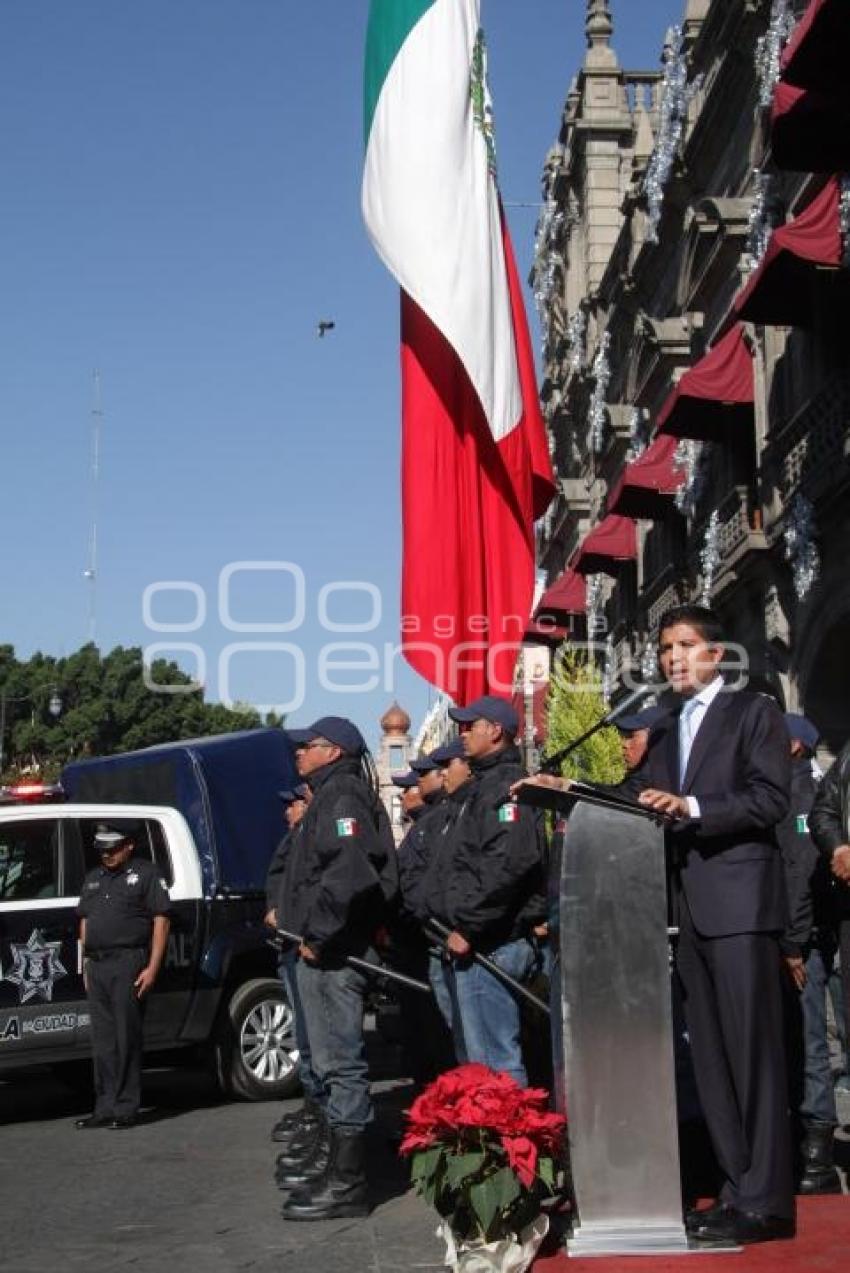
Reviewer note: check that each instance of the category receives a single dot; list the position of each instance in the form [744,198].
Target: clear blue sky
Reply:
[180,207]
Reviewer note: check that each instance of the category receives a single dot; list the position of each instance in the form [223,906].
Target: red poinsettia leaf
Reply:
[522,1156]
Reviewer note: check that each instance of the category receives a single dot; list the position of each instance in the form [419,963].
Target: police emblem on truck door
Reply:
[36,966]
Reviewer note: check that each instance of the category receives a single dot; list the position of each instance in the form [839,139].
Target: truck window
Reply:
[29,860]
[148,835]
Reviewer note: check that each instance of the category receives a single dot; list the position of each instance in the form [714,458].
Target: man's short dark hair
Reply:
[705,622]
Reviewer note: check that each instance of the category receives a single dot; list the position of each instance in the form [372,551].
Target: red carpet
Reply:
[822,1245]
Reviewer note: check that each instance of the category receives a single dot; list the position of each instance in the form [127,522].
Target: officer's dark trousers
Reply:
[333,1001]
[116,1028]
[732,996]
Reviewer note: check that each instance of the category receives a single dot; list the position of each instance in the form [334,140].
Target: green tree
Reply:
[575,704]
[106,707]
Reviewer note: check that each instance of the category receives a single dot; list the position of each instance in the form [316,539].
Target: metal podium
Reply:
[613,1034]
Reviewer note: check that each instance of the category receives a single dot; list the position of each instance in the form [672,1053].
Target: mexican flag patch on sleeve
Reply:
[347,826]
[508,812]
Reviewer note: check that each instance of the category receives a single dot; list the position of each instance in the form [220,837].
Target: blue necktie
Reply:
[686,737]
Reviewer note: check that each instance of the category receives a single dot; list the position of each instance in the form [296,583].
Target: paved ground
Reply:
[191,1189]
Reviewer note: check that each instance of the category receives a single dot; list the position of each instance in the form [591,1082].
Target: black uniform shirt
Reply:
[119,906]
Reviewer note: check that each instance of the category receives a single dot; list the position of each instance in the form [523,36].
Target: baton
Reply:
[363,965]
[505,977]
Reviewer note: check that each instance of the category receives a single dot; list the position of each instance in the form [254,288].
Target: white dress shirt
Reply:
[691,717]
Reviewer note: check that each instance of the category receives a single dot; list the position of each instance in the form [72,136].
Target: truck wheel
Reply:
[255,1054]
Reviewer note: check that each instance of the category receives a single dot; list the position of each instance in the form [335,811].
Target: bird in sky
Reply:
[325,325]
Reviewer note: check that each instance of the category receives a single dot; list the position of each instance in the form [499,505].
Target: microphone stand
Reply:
[553,764]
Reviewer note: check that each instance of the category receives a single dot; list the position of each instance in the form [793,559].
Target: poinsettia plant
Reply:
[483,1151]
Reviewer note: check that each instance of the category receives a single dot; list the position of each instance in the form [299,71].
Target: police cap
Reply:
[449,751]
[108,839]
[406,781]
[343,733]
[424,765]
[801,729]
[646,719]
[488,707]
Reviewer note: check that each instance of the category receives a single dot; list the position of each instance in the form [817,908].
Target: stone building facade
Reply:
[661,197]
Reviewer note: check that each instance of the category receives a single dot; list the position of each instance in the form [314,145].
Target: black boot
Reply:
[291,1124]
[341,1191]
[819,1174]
[309,1167]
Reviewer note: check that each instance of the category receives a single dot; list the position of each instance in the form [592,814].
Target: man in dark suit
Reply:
[719,767]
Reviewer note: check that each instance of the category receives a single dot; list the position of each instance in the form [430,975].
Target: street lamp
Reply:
[54,706]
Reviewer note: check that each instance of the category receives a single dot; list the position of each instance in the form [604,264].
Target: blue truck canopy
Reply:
[225,786]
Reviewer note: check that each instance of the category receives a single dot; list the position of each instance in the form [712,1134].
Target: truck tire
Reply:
[254,1053]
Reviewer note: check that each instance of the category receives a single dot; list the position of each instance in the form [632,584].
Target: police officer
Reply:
[457,782]
[340,883]
[298,1130]
[809,947]
[495,893]
[426,1036]
[124,925]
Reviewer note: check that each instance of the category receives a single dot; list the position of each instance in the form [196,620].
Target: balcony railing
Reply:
[739,532]
[811,456]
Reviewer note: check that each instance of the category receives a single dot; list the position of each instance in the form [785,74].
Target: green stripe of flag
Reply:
[390,23]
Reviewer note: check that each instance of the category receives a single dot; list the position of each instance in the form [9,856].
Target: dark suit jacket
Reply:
[728,863]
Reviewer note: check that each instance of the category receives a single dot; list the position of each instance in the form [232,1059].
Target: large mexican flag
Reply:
[475,462]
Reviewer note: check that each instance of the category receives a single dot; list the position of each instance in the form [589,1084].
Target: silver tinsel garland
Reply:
[690,458]
[639,430]
[759,228]
[649,663]
[769,49]
[844,219]
[546,263]
[597,416]
[709,557]
[575,336]
[595,619]
[676,94]
[608,669]
[800,548]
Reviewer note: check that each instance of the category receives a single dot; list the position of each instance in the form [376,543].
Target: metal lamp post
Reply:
[54,706]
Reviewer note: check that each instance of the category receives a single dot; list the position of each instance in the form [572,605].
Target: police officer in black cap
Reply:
[340,883]
[124,925]
[415,849]
[426,1038]
[495,892]
[298,1130]
[457,783]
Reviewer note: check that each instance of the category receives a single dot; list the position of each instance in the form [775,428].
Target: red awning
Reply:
[646,485]
[715,394]
[801,270]
[567,595]
[809,131]
[816,56]
[544,629]
[607,546]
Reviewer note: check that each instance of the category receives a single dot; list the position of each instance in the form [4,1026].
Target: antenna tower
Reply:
[90,572]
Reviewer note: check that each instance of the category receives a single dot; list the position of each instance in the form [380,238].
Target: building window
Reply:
[398,757]
[396,811]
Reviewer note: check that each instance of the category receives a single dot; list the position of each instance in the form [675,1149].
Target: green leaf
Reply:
[546,1171]
[425,1163]
[507,1187]
[484,1201]
[461,1166]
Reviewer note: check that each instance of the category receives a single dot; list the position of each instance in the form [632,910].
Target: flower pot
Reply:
[510,1254]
